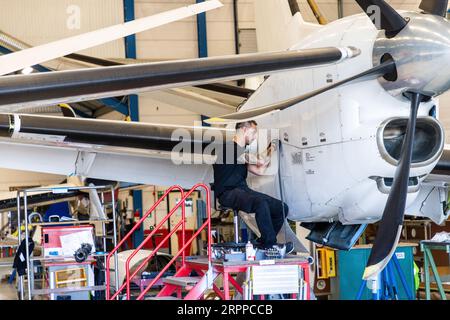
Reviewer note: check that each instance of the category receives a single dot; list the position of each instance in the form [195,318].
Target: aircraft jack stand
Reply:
[384,287]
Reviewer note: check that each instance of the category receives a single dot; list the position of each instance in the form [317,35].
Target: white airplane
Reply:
[346,119]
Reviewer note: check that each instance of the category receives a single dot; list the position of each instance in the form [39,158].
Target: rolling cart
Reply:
[57,263]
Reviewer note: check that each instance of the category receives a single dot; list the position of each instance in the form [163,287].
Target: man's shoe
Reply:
[272,252]
[289,247]
[279,250]
[258,243]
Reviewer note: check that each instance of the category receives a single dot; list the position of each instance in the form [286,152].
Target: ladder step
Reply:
[107,237]
[182,281]
[162,298]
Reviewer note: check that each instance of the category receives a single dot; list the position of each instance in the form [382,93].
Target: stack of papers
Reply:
[441,237]
[72,242]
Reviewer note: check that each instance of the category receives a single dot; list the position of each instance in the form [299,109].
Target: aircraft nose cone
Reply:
[422,55]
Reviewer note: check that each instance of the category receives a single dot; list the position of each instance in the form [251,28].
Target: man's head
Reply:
[247,131]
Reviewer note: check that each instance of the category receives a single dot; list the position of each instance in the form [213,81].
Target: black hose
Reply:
[293,4]
[281,189]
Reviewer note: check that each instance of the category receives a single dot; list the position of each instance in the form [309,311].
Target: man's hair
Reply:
[247,124]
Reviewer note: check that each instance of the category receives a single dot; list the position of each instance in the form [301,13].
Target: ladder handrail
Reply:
[144,262]
[128,276]
[181,251]
[150,285]
[182,223]
[130,233]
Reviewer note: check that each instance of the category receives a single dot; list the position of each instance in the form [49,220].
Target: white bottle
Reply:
[249,252]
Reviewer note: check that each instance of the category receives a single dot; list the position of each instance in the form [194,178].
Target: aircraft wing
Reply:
[102,149]
[142,153]
[110,163]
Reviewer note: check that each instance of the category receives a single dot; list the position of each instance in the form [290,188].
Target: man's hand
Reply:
[271,148]
[263,161]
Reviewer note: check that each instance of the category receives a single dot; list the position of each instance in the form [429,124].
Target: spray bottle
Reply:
[249,252]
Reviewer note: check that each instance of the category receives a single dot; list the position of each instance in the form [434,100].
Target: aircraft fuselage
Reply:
[340,149]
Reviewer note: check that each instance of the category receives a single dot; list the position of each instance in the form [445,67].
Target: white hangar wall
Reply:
[38,22]
[179,39]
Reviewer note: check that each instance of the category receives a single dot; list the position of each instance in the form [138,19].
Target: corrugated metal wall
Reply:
[179,39]
[42,21]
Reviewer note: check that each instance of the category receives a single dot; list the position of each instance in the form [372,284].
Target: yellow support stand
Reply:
[317,13]
[326,263]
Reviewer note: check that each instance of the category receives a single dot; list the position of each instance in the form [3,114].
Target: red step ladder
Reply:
[181,280]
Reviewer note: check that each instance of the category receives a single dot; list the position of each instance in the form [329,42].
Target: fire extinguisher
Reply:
[137,216]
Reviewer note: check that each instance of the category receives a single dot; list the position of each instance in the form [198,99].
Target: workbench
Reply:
[230,269]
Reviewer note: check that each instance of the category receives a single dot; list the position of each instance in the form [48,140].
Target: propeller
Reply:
[390,227]
[387,67]
[390,20]
[392,219]
[436,7]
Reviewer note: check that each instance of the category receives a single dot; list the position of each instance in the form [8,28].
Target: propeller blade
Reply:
[50,88]
[383,69]
[33,56]
[391,223]
[389,19]
[436,7]
[293,5]
[67,110]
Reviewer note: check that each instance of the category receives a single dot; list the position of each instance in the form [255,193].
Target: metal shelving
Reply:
[22,196]
[42,224]
[68,290]
[6,262]
[66,258]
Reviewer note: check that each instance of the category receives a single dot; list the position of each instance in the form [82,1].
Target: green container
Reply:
[351,266]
